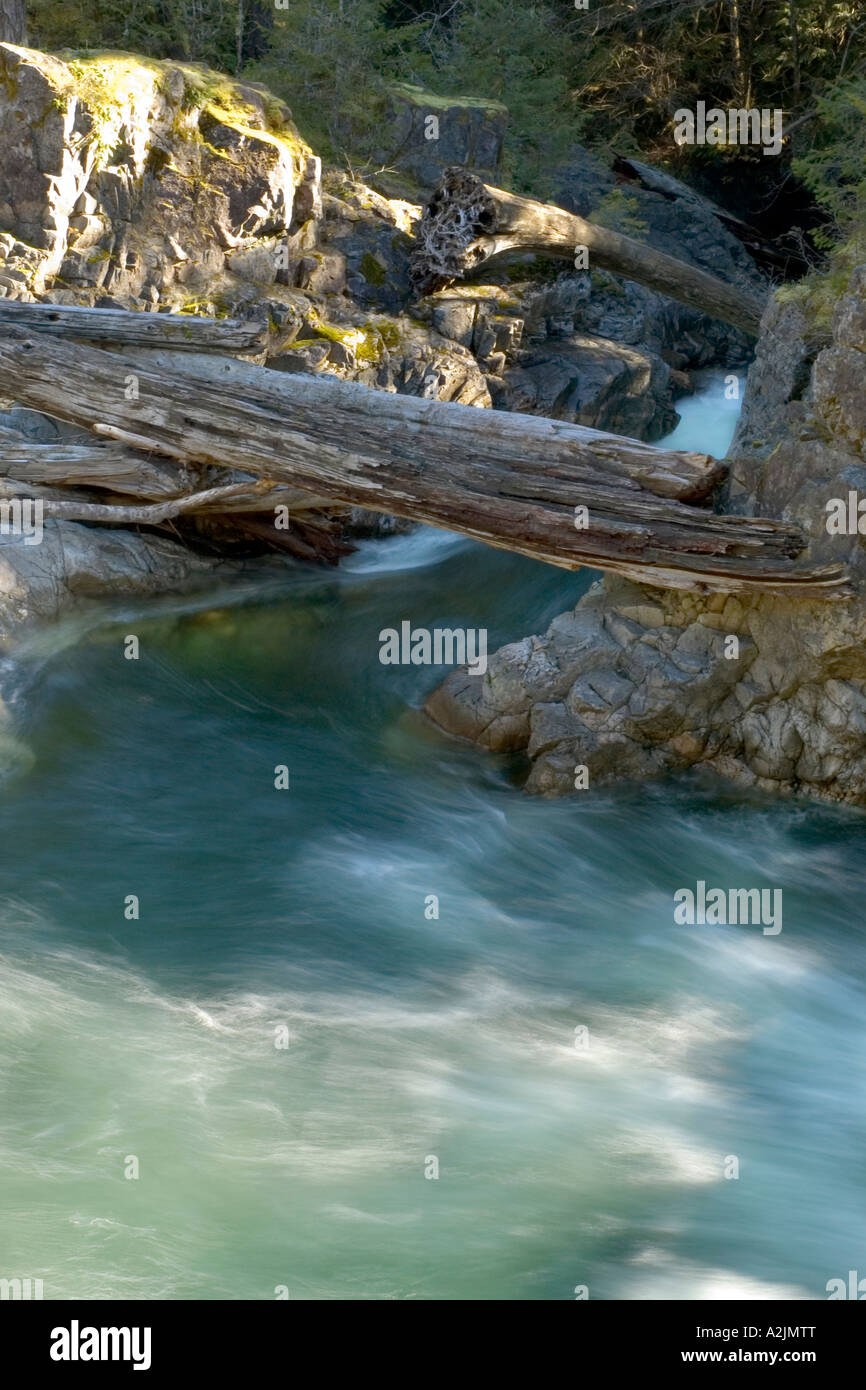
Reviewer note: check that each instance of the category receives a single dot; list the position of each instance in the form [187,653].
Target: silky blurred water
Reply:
[409,1038]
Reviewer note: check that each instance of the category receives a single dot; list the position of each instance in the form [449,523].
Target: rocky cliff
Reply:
[155,185]
[772,693]
[160,185]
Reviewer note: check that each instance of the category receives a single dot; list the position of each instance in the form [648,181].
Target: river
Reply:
[247,1090]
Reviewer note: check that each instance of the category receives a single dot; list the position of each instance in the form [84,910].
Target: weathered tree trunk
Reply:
[467,222]
[512,481]
[180,332]
[779,256]
[129,472]
[64,508]
[91,465]
[13,21]
[315,537]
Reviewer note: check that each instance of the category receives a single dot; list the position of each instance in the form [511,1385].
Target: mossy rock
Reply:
[372,269]
[429,131]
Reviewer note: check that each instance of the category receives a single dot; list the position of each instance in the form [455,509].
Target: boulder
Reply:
[768,691]
[427,132]
[130,176]
[372,236]
[595,382]
[74,563]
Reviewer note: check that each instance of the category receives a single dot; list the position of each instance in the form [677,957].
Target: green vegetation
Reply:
[525,56]
[835,170]
[619,212]
[206,31]
[332,62]
[372,271]
[212,306]
[611,76]
[615,72]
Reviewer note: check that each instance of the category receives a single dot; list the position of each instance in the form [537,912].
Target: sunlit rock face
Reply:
[152,185]
[423,133]
[638,681]
[128,175]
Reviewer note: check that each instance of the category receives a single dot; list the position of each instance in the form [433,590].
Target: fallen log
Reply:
[238,508]
[781,256]
[212,499]
[325,406]
[512,481]
[533,443]
[98,465]
[466,223]
[316,539]
[180,332]
[128,471]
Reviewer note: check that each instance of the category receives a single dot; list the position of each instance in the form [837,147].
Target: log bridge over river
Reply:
[209,433]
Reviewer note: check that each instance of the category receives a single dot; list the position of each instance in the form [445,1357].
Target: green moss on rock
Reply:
[419,96]
[372,269]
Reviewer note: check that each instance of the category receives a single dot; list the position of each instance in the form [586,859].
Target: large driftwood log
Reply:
[180,332]
[128,471]
[512,481]
[80,465]
[467,223]
[64,508]
[529,442]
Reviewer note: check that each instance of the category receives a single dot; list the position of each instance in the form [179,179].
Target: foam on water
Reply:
[419,549]
[708,418]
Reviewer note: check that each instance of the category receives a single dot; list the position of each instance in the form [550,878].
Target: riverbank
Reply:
[105,211]
[766,690]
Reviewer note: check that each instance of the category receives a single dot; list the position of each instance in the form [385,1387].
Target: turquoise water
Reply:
[263,1167]
[709,417]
